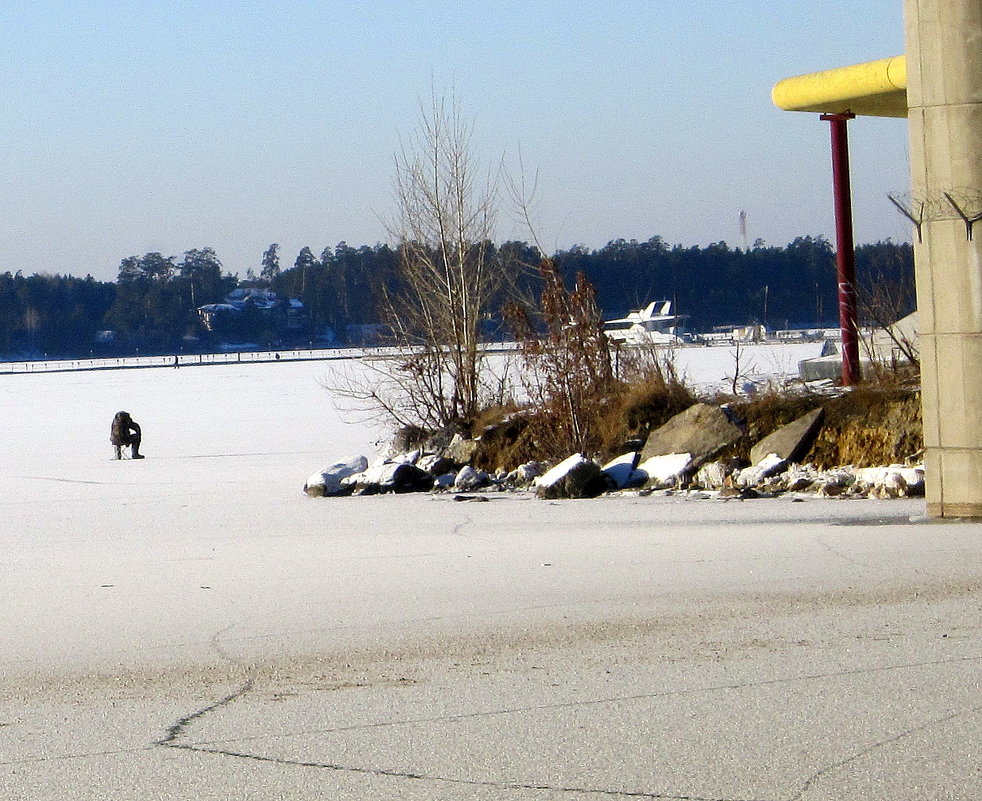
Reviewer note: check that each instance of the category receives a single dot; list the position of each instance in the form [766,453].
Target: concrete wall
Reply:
[944,90]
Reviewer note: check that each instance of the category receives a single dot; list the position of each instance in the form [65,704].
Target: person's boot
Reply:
[135,452]
[119,452]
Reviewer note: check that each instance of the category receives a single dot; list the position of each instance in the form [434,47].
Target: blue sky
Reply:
[129,127]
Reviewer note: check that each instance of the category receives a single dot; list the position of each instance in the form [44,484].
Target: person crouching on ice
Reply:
[125,431]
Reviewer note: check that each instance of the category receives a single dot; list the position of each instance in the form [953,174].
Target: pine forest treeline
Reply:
[152,306]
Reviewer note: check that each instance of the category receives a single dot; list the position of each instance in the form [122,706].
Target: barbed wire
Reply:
[957,203]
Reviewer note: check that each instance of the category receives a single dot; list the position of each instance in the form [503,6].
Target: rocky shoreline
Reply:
[689,452]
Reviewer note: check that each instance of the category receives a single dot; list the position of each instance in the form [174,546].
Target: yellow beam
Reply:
[874,88]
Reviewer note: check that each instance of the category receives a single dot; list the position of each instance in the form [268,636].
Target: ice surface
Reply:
[420,648]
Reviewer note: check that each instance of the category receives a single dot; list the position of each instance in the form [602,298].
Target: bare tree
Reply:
[448,275]
[882,303]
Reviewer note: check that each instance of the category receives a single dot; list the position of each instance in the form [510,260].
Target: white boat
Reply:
[655,324]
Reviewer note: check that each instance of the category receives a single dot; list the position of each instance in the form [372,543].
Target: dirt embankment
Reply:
[866,427]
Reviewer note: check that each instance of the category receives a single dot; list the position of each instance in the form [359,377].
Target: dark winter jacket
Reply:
[124,430]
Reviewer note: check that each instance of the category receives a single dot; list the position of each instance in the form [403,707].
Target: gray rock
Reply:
[460,450]
[436,464]
[702,431]
[833,483]
[525,474]
[790,442]
[440,440]
[469,479]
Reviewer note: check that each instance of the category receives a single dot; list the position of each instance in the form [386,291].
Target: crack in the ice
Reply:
[823,772]
[820,539]
[397,774]
[175,731]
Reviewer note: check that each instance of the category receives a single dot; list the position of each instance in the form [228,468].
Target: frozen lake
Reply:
[192,626]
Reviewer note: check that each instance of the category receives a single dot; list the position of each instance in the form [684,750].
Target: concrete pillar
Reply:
[944,91]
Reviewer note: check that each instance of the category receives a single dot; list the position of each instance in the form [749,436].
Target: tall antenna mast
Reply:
[743,230]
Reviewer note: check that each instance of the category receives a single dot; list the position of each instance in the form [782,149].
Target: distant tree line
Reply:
[152,307]
[780,287]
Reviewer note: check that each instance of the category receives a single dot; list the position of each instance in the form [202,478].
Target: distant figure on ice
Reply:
[125,431]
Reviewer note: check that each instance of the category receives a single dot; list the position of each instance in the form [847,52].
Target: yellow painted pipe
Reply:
[874,88]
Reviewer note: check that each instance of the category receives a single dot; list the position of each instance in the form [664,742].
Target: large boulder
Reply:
[575,477]
[701,431]
[790,442]
[328,482]
[436,464]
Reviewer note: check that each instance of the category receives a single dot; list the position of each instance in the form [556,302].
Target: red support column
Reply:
[845,251]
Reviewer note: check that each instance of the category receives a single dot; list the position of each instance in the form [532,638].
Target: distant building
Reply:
[264,301]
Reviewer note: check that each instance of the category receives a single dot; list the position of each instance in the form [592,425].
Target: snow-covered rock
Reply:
[768,466]
[832,483]
[328,482]
[799,477]
[663,471]
[469,479]
[389,477]
[524,474]
[713,475]
[445,481]
[894,481]
[574,477]
[620,470]
[408,457]
[436,464]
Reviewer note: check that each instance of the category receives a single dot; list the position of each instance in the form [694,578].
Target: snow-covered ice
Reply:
[193,626]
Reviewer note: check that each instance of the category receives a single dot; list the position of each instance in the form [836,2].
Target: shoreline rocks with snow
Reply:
[677,456]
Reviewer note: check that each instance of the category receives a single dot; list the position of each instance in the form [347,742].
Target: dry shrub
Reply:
[617,415]
[502,439]
[568,376]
